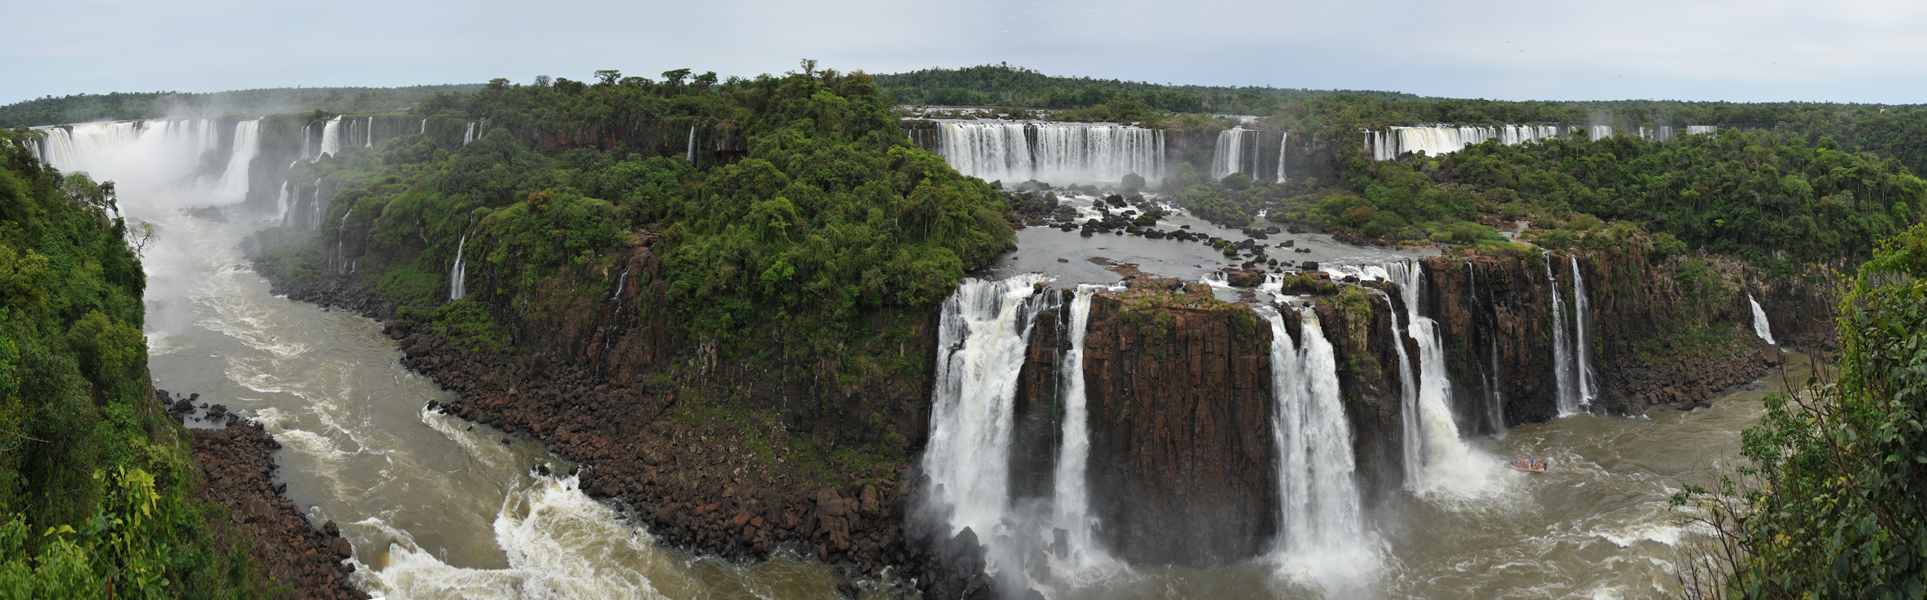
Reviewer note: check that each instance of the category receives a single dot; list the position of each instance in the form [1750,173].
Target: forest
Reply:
[96,483]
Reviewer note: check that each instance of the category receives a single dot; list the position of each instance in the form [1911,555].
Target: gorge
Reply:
[480,419]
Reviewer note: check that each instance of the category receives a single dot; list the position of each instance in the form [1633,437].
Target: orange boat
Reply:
[1529,466]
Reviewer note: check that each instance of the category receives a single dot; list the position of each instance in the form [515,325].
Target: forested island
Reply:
[741,308]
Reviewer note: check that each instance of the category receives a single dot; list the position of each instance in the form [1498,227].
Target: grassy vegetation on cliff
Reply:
[1831,505]
[1770,198]
[95,482]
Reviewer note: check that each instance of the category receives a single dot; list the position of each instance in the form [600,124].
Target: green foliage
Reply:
[1766,197]
[75,406]
[1832,506]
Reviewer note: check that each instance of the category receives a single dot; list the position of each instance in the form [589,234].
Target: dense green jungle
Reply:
[808,234]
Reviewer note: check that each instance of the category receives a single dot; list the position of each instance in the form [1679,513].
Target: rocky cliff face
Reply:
[1674,333]
[1183,465]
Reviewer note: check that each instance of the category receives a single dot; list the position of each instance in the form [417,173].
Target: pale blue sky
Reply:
[1846,51]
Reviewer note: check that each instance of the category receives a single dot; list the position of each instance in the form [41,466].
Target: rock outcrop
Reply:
[237,472]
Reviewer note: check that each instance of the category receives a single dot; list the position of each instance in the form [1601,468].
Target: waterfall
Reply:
[1017,151]
[984,332]
[458,276]
[371,134]
[1412,449]
[1600,132]
[1561,355]
[306,141]
[1229,156]
[468,135]
[424,130]
[1072,497]
[1449,462]
[1701,129]
[341,261]
[1318,496]
[314,219]
[1389,143]
[1760,325]
[234,180]
[330,138]
[281,203]
[1494,401]
[1582,328]
[1284,141]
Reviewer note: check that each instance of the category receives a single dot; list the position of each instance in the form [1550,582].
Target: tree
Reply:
[542,81]
[608,76]
[675,77]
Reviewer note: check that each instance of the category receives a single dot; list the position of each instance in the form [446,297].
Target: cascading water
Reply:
[1072,496]
[330,138]
[1582,329]
[307,139]
[1449,462]
[1412,445]
[314,210]
[281,203]
[1230,156]
[984,331]
[341,260]
[1057,152]
[690,146]
[1562,361]
[370,143]
[1701,129]
[1388,144]
[1320,522]
[233,185]
[457,276]
[1284,142]
[1761,327]
[1600,132]
[468,135]
[424,130]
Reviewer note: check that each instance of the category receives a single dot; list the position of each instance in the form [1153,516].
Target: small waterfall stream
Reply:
[458,275]
[1761,327]
[1582,327]
[1561,351]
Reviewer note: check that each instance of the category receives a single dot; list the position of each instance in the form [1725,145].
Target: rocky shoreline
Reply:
[685,481]
[237,472]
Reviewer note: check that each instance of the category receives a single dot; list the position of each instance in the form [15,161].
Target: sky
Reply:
[1867,51]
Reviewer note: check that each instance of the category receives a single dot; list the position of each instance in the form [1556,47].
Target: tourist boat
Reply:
[1529,465]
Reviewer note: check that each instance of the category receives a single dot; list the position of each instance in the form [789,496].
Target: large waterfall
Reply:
[1760,325]
[1014,152]
[983,331]
[1388,144]
[330,138]
[1236,152]
[156,153]
[1320,521]
[234,180]
[1448,462]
